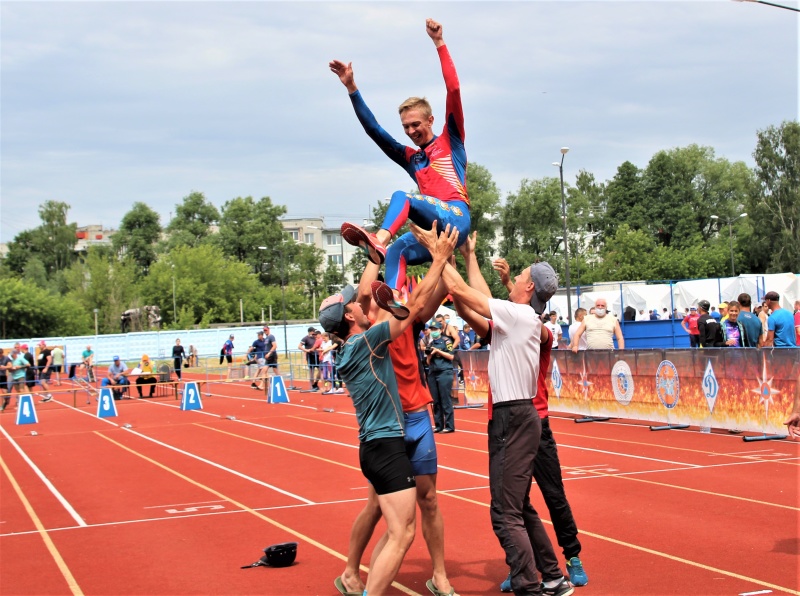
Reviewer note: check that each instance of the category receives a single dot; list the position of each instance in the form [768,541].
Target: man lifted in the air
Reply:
[439,167]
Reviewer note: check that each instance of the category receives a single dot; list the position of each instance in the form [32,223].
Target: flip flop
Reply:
[437,592]
[384,298]
[342,590]
[358,236]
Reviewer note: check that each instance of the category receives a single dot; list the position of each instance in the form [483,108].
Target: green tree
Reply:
[192,222]
[52,242]
[774,203]
[26,310]
[101,280]
[244,226]
[137,236]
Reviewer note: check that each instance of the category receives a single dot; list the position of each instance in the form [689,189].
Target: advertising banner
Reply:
[728,388]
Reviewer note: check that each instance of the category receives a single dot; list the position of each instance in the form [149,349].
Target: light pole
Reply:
[560,166]
[95,321]
[174,303]
[730,221]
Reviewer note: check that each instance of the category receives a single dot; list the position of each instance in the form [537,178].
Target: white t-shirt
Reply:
[514,357]
[555,329]
[573,329]
[327,356]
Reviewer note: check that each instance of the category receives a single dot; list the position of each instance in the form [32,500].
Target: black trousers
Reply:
[547,473]
[146,381]
[514,435]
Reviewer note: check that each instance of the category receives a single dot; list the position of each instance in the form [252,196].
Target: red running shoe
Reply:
[384,298]
[358,236]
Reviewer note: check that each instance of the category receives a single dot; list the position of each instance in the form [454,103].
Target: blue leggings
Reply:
[422,210]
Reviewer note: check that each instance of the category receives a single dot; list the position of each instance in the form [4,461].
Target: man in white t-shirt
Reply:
[554,328]
[514,424]
[573,330]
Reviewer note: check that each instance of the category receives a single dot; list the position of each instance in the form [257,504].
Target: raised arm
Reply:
[474,274]
[502,268]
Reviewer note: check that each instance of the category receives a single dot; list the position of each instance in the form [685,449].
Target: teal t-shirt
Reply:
[782,323]
[752,328]
[365,366]
[19,362]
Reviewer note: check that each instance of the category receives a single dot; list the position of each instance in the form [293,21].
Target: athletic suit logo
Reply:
[668,385]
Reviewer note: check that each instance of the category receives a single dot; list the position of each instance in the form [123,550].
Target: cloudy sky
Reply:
[108,103]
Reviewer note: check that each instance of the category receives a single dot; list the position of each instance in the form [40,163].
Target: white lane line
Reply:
[59,497]
[615,453]
[188,516]
[202,459]
[183,504]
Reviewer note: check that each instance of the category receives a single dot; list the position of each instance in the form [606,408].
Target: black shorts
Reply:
[228,357]
[44,375]
[272,359]
[385,464]
[56,368]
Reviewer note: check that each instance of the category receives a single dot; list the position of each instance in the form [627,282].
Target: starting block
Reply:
[106,408]
[277,391]
[26,411]
[191,397]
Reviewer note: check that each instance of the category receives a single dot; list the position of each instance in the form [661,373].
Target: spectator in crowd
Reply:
[797,321]
[308,345]
[780,325]
[5,385]
[193,359]
[146,376]
[665,314]
[58,363]
[763,316]
[580,314]
[600,329]
[654,315]
[689,325]
[116,377]
[708,326]
[16,367]
[734,334]
[87,358]
[271,353]
[30,370]
[439,357]
[466,337]
[554,327]
[754,336]
[449,330]
[178,356]
[45,369]
[723,310]
[642,316]
[326,363]
[714,314]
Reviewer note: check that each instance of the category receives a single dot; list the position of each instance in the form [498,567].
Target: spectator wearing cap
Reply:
[439,357]
[689,325]
[226,353]
[600,330]
[754,332]
[45,369]
[308,345]
[780,325]
[271,350]
[115,378]
[723,311]
[146,376]
[713,313]
[707,326]
[16,369]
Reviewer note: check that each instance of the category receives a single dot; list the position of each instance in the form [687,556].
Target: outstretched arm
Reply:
[434,31]
[474,274]
[345,74]
[501,266]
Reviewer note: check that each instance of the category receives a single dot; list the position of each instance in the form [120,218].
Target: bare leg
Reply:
[433,528]
[360,534]
[398,510]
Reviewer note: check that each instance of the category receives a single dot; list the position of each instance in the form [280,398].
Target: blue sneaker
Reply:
[506,585]
[577,575]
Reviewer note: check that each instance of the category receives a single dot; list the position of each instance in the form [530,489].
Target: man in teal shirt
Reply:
[366,367]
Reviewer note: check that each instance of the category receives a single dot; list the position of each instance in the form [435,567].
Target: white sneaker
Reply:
[339,390]
[47,397]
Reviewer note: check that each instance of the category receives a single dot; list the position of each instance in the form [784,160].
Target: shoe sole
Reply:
[384,298]
[356,236]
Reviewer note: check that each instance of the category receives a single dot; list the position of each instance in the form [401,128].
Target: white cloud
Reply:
[109,103]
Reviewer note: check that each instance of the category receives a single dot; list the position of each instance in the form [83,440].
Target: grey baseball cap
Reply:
[545,283]
[331,311]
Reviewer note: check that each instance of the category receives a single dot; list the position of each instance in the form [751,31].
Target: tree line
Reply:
[679,217]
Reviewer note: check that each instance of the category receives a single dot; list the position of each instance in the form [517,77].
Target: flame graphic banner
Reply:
[744,389]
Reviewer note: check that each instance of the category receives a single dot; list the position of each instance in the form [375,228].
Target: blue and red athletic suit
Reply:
[439,169]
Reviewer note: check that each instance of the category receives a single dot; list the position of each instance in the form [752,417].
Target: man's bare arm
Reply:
[620,338]
[502,268]
[577,338]
[474,273]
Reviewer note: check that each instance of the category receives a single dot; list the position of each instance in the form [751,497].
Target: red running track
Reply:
[179,501]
